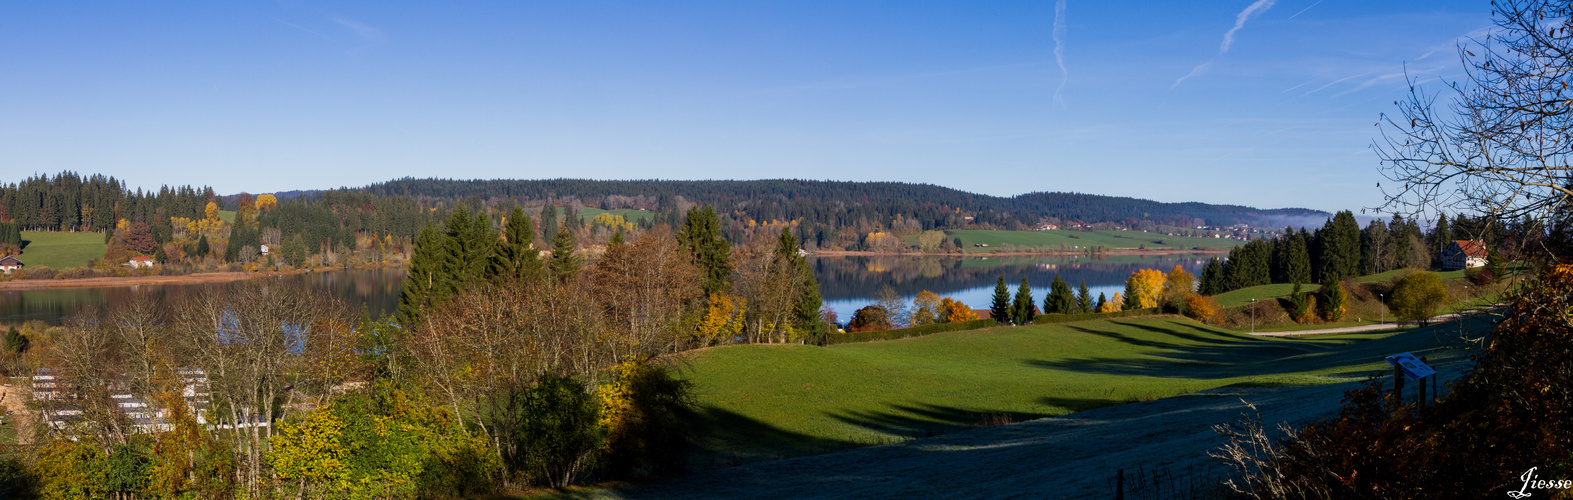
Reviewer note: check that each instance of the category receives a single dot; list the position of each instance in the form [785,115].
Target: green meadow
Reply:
[1113,240]
[769,401]
[61,250]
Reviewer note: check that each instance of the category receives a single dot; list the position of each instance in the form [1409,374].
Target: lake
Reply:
[847,283]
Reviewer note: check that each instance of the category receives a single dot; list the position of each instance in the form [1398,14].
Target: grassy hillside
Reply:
[61,250]
[767,401]
[1243,296]
[629,214]
[1114,240]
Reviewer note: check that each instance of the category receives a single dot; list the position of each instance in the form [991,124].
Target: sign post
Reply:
[1406,365]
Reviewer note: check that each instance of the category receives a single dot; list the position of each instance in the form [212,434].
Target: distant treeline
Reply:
[840,204]
[72,202]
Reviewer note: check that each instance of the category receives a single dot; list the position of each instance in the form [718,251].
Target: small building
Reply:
[10,263]
[141,261]
[264,249]
[1462,254]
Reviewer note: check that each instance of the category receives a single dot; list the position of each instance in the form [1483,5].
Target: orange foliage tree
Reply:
[1146,286]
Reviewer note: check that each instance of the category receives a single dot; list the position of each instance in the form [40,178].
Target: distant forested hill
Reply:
[842,203]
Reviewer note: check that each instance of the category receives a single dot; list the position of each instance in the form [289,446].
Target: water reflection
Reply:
[376,289]
[849,282]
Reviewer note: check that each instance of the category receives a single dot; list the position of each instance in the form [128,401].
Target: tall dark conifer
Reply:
[1083,298]
[564,263]
[1000,307]
[425,283]
[1022,306]
[516,257]
[701,235]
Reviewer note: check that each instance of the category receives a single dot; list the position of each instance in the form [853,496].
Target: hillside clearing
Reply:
[61,250]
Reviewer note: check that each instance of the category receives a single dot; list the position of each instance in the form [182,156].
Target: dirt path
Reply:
[13,404]
[1366,328]
[1075,456]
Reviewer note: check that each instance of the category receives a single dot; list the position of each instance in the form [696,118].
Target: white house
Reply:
[1461,254]
[140,261]
[10,263]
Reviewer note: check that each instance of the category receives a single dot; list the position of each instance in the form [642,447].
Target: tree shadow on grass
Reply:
[1216,358]
[924,420]
[723,438]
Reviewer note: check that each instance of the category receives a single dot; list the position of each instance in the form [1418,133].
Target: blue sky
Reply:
[1264,103]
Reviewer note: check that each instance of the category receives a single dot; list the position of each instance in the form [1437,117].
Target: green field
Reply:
[768,401]
[227,216]
[629,214]
[1113,240]
[61,250]
[1243,296]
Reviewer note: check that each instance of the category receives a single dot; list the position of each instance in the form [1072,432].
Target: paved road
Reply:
[1366,328]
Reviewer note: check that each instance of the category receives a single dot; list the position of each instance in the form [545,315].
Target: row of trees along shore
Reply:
[507,366]
[1340,249]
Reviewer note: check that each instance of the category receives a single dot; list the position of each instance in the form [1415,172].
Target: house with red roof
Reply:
[1461,254]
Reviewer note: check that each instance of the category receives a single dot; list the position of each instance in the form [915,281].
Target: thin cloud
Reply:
[1302,11]
[1255,9]
[372,36]
[1199,69]
[1239,21]
[1334,82]
[1059,49]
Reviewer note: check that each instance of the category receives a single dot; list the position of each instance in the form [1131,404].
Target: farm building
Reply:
[10,263]
[140,261]
[1462,254]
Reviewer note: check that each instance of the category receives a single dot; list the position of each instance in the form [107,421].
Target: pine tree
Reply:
[1061,300]
[202,247]
[1131,300]
[1298,266]
[1000,308]
[1022,306]
[617,239]
[1084,298]
[701,235]
[1440,237]
[1212,278]
[548,223]
[516,257]
[805,309]
[425,283]
[1101,302]
[564,263]
[159,255]
[15,342]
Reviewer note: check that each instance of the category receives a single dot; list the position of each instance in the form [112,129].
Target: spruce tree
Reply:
[806,308]
[548,223]
[1000,308]
[1211,280]
[1022,306]
[1440,237]
[1131,302]
[564,263]
[159,255]
[1084,298]
[425,283]
[701,235]
[1061,300]
[515,257]
[617,239]
[1102,300]
[202,247]
[1298,266]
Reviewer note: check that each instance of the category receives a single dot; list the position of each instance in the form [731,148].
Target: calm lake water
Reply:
[847,283]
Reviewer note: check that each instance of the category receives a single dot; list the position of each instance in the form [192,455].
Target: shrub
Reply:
[869,319]
[1335,301]
[1201,307]
[1417,297]
[35,273]
[640,410]
[1479,276]
[559,437]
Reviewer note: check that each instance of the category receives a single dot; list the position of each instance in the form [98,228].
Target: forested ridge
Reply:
[840,203]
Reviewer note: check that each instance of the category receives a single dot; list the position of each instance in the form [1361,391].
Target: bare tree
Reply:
[644,287]
[1501,145]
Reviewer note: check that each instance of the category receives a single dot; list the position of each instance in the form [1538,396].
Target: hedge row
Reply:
[1044,319]
[918,331]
